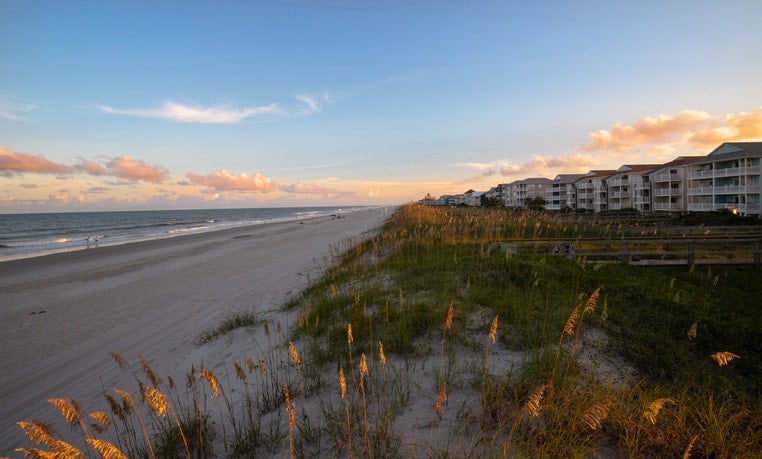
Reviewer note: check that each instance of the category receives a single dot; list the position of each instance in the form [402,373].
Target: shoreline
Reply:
[63,313]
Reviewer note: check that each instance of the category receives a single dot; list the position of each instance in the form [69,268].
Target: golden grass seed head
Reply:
[153,377]
[450,314]
[724,357]
[70,409]
[381,354]
[363,366]
[596,413]
[693,331]
[342,383]
[294,353]
[652,410]
[239,372]
[37,431]
[121,363]
[592,301]
[106,449]
[350,338]
[250,364]
[441,398]
[212,380]
[689,448]
[493,330]
[157,400]
[103,421]
[533,404]
[571,322]
[262,367]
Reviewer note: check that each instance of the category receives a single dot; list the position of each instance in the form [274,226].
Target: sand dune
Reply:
[153,298]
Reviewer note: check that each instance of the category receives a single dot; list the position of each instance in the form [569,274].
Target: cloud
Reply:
[311,104]
[10,108]
[538,165]
[134,169]
[15,163]
[91,168]
[313,188]
[374,193]
[740,126]
[181,113]
[223,180]
[687,130]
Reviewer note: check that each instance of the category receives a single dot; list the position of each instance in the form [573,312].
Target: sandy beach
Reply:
[62,314]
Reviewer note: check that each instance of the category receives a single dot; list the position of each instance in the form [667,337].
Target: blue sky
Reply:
[121,105]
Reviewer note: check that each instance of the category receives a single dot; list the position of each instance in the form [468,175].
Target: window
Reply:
[673,171]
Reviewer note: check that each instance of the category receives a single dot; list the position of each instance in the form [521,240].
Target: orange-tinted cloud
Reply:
[223,180]
[91,168]
[135,169]
[735,126]
[648,130]
[16,163]
[665,135]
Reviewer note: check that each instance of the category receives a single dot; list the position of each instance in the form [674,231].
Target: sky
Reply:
[173,105]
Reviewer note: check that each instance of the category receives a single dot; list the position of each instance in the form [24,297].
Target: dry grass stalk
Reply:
[294,353]
[342,383]
[533,404]
[571,322]
[441,399]
[493,331]
[350,338]
[103,421]
[239,372]
[212,380]
[363,366]
[153,377]
[250,364]
[652,410]
[724,357]
[693,330]
[120,362]
[157,400]
[37,431]
[262,367]
[450,314]
[70,409]
[689,448]
[107,450]
[595,414]
[592,301]
[381,354]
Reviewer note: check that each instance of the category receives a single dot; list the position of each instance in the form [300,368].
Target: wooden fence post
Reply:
[757,253]
[691,254]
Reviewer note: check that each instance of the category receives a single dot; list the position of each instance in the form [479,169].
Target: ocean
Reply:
[28,235]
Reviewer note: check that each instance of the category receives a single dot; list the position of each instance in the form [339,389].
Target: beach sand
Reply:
[62,314]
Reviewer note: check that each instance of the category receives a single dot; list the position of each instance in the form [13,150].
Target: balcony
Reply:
[668,207]
[726,172]
[667,177]
[668,191]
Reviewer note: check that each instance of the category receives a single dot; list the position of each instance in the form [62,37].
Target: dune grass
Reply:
[423,341]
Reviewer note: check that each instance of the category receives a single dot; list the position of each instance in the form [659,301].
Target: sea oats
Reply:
[342,383]
[157,400]
[592,301]
[70,409]
[250,364]
[450,314]
[103,421]
[363,366]
[652,410]
[381,354]
[37,431]
[153,377]
[689,448]
[118,359]
[493,331]
[107,450]
[239,372]
[693,330]
[350,338]
[294,353]
[596,413]
[262,367]
[571,322]
[724,357]
[212,380]
[533,404]
[441,398]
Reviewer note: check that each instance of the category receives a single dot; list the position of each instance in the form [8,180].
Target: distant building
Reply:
[526,189]
[669,190]
[562,193]
[592,191]
[727,178]
[629,187]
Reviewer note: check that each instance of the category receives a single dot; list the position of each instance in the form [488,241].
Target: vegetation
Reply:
[433,339]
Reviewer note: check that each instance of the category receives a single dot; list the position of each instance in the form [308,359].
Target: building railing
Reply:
[726,172]
[728,189]
[667,177]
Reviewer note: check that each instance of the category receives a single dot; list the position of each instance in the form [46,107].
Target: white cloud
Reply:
[311,104]
[182,113]
[11,109]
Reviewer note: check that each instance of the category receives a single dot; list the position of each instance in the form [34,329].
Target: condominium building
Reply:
[592,192]
[526,189]
[562,194]
[727,178]
[629,188]
[669,191]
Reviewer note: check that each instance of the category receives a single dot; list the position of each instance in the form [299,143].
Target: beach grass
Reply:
[428,339]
